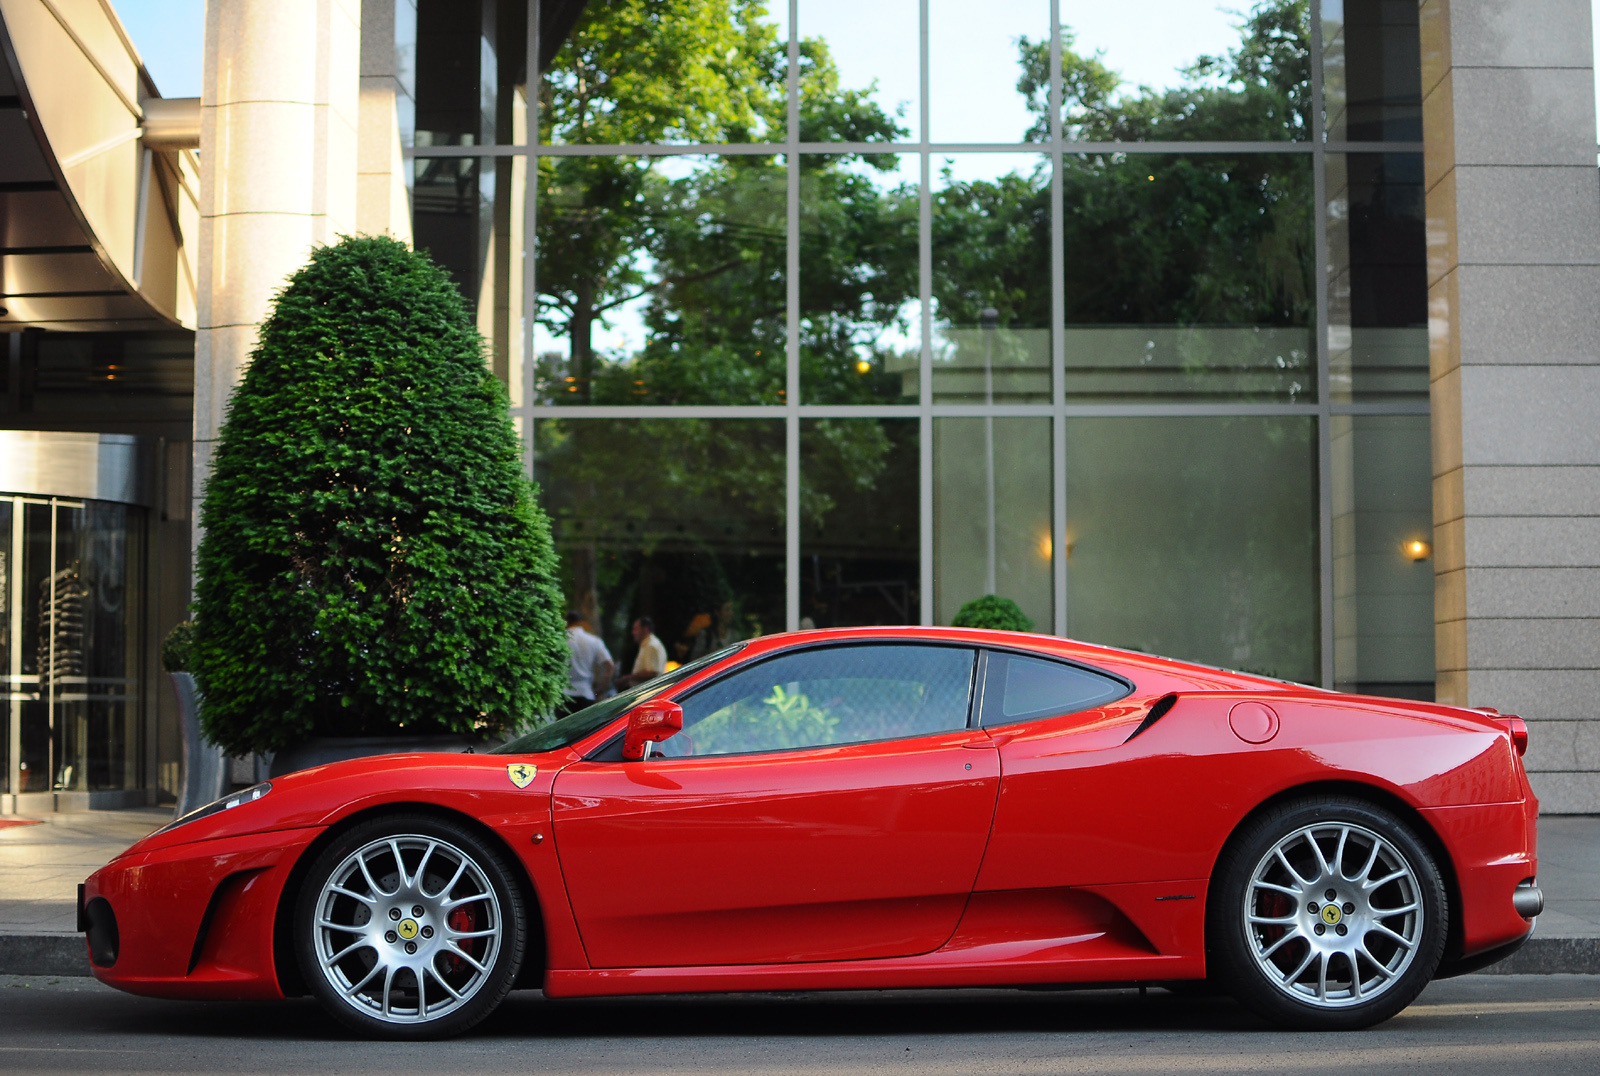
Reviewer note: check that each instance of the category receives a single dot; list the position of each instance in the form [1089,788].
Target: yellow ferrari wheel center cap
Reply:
[1330,914]
[407,929]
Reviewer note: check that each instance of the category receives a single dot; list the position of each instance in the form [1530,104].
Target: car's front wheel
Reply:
[1326,914]
[409,927]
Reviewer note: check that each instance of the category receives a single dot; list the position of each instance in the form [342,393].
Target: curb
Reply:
[43,954]
[1551,956]
[66,954]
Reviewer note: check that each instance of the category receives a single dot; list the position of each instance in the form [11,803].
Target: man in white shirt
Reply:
[591,668]
[652,659]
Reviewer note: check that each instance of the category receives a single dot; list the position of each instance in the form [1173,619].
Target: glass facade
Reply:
[847,314]
[70,644]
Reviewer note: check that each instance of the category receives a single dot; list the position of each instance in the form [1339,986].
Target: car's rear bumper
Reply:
[1493,851]
[192,920]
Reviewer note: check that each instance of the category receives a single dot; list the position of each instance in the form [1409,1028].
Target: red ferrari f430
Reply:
[869,808]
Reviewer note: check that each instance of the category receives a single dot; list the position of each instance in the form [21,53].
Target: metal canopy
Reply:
[93,216]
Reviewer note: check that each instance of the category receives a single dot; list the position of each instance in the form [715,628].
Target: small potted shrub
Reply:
[375,573]
[992,611]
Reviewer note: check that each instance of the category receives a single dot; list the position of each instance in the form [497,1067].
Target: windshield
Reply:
[574,727]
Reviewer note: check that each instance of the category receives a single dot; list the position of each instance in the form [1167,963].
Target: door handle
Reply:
[980,745]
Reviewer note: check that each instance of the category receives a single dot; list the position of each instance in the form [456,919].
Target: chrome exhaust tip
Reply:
[1527,899]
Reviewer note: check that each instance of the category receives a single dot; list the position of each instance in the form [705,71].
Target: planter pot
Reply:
[321,750]
[205,767]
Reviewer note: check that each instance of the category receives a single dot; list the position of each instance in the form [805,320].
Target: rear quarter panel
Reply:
[1081,805]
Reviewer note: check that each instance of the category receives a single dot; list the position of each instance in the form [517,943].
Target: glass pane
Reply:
[991,515]
[1382,555]
[1196,538]
[985,66]
[8,673]
[670,519]
[662,280]
[860,318]
[34,717]
[846,694]
[467,213]
[1377,277]
[991,278]
[460,62]
[1189,277]
[88,655]
[1020,689]
[1371,70]
[1168,70]
[860,548]
[860,71]
[671,73]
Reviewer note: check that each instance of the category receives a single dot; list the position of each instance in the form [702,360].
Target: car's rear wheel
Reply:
[1326,914]
[409,927]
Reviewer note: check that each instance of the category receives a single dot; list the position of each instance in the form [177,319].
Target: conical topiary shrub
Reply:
[992,611]
[373,561]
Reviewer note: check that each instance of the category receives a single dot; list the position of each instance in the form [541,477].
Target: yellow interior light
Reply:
[1046,546]
[1417,549]
[863,366]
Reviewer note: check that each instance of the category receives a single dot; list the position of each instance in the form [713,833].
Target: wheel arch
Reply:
[287,967]
[1379,797]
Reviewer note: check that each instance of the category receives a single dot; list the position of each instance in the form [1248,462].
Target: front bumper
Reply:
[192,920]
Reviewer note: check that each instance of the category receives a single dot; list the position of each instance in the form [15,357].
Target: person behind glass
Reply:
[652,659]
[591,666]
[720,633]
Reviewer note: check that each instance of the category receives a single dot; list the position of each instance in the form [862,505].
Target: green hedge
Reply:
[374,560]
[992,611]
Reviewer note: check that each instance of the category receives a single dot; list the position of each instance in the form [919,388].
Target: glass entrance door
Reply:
[70,645]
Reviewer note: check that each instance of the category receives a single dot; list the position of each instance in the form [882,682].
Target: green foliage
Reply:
[373,559]
[992,611]
[177,649]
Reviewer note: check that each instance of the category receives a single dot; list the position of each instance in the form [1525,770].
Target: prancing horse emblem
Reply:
[521,773]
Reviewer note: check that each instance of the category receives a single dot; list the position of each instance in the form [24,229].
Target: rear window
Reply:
[1018,688]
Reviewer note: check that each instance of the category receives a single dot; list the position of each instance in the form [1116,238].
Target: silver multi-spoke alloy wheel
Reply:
[1333,914]
[407,928]
[1326,912]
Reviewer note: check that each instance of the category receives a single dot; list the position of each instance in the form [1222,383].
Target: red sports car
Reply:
[870,808]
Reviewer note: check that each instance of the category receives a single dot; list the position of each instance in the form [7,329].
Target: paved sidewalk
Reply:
[41,866]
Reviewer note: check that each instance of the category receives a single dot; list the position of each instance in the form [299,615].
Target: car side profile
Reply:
[862,808]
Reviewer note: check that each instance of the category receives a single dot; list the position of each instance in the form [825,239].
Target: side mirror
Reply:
[648,723]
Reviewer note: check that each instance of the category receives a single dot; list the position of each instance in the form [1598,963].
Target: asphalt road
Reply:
[1545,1024]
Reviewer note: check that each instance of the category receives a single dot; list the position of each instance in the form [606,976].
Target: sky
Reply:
[170,37]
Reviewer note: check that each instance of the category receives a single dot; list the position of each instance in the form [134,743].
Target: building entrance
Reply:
[70,646]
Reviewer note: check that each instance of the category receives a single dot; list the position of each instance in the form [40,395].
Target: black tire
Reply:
[1361,956]
[467,972]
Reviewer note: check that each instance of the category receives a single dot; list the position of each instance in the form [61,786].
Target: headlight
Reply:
[226,803]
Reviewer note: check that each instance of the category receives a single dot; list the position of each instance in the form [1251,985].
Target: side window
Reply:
[1018,688]
[835,695]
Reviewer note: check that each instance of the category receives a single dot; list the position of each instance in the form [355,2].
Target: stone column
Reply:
[388,31]
[278,174]
[1513,207]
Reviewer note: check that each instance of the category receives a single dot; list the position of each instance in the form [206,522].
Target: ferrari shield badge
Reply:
[521,773]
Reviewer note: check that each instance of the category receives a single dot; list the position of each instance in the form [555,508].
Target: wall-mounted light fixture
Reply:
[1417,549]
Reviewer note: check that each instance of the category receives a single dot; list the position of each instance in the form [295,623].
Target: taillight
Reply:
[1518,729]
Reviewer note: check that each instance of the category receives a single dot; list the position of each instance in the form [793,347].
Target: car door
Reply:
[825,803]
